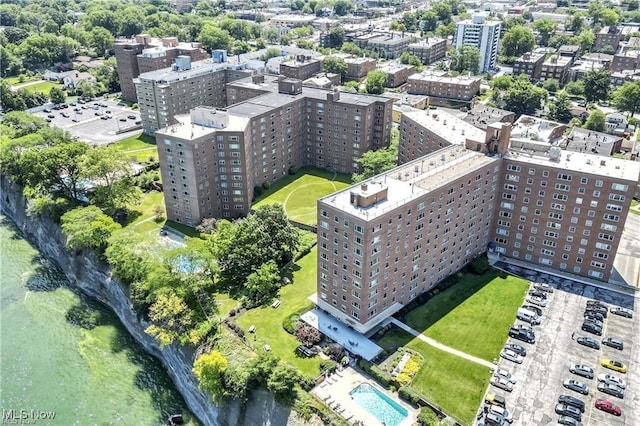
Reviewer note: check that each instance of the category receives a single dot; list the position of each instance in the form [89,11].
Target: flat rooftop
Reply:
[590,141]
[410,181]
[447,126]
[197,68]
[534,128]
[426,43]
[577,162]
[441,78]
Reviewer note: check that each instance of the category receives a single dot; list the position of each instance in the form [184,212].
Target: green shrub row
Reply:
[409,394]
[290,322]
[376,372]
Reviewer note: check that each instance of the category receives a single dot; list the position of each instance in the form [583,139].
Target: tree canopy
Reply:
[465,58]
[597,85]
[376,81]
[516,41]
[627,97]
[88,227]
[523,98]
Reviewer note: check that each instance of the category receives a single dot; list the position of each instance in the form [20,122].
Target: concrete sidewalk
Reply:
[438,345]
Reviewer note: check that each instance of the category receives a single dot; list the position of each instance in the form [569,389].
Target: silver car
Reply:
[610,378]
[511,356]
[581,370]
[501,383]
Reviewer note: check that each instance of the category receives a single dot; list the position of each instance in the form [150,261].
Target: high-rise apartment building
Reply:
[144,53]
[390,238]
[168,92]
[211,160]
[482,34]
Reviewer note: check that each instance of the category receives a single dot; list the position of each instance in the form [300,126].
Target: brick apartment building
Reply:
[556,67]
[165,93]
[629,60]
[358,68]
[390,238]
[211,160]
[438,85]
[429,50]
[301,68]
[144,53]
[529,64]
[397,74]
[609,38]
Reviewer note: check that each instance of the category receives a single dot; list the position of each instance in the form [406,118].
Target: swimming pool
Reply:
[378,404]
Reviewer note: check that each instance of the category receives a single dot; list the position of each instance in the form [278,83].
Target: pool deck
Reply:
[336,390]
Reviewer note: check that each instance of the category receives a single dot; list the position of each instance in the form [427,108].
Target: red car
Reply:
[608,406]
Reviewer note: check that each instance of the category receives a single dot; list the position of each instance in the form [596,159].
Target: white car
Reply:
[609,378]
[538,301]
[501,383]
[543,287]
[623,312]
[582,370]
[504,374]
[501,412]
[511,356]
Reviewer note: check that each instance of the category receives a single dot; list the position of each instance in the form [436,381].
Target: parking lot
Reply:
[539,378]
[85,121]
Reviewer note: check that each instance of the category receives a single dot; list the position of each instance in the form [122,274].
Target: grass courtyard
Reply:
[41,87]
[268,321]
[474,315]
[453,383]
[141,147]
[299,193]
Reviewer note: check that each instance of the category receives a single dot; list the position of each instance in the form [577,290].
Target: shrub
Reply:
[266,185]
[334,351]
[408,394]
[427,417]
[257,191]
[232,313]
[327,366]
[293,170]
[307,335]
[307,383]
[479,265]
[380,375]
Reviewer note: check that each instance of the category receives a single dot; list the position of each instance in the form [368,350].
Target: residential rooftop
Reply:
[447,126]
[584,140]
[409,181]
[536,129]
[166,75]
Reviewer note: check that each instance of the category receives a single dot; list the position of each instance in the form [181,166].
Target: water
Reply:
[378,404]
[65,354]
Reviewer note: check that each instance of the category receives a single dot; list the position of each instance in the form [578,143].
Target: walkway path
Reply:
[438,345]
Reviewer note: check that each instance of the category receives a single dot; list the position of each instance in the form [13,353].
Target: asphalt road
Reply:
[546,366]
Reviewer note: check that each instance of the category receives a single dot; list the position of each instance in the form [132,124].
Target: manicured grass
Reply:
[474,315]
[453,383]
[141,147]
[299,193]
[141,215]
[268,321]
[14,81]
[43,87]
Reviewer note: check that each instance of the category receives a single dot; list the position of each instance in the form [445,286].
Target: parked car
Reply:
[611,389]
[597,303]
[593,315]
[131,117]
[51,116]
[46,110]
[532,308]
[501,383]
[504,374]
[576,386]
[538,301]
[569,421]
[582,370]
[613,342]
[591,327]
[623,312]
[511,356]
[610,378]
[64,114]
[494,399]
[599,309]
[494,420]
[572,400]
[595,322]
[524,335]
[608,406]
[589,342]
[613,365]
[568,410]
[501,411]
[538,293]
[543,287]
[519,349]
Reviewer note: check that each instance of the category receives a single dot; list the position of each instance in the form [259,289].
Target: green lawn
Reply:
[299,193]
[268,321]
[474,315]
[141,147]
[141,215]
[42,87]
[453,383]
[13,81]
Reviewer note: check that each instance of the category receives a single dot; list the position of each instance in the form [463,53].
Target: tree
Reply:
[235,382]
[517,40]
[57,95]
[213,37]
[597,85]
[429,21]
[551,85]
[560,110]
[336,36]
[427,417]
[502,82]
[575,88]
[282,382]
[335,65]
[111,171]
[210,370]
[127,253]
[610,17]
[171,319]
[88,227]
[465,58]
[307,335]
[546,28]
[376,81]
[101,40]
[375,162]
[408,59]
[627,97]
[343,7]
[263,284]
[596,121]
[523,98]
[586,39]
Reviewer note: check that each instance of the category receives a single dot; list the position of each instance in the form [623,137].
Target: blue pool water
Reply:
[379,405]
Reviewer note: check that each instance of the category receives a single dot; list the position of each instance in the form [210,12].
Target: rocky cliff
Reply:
[93,278]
